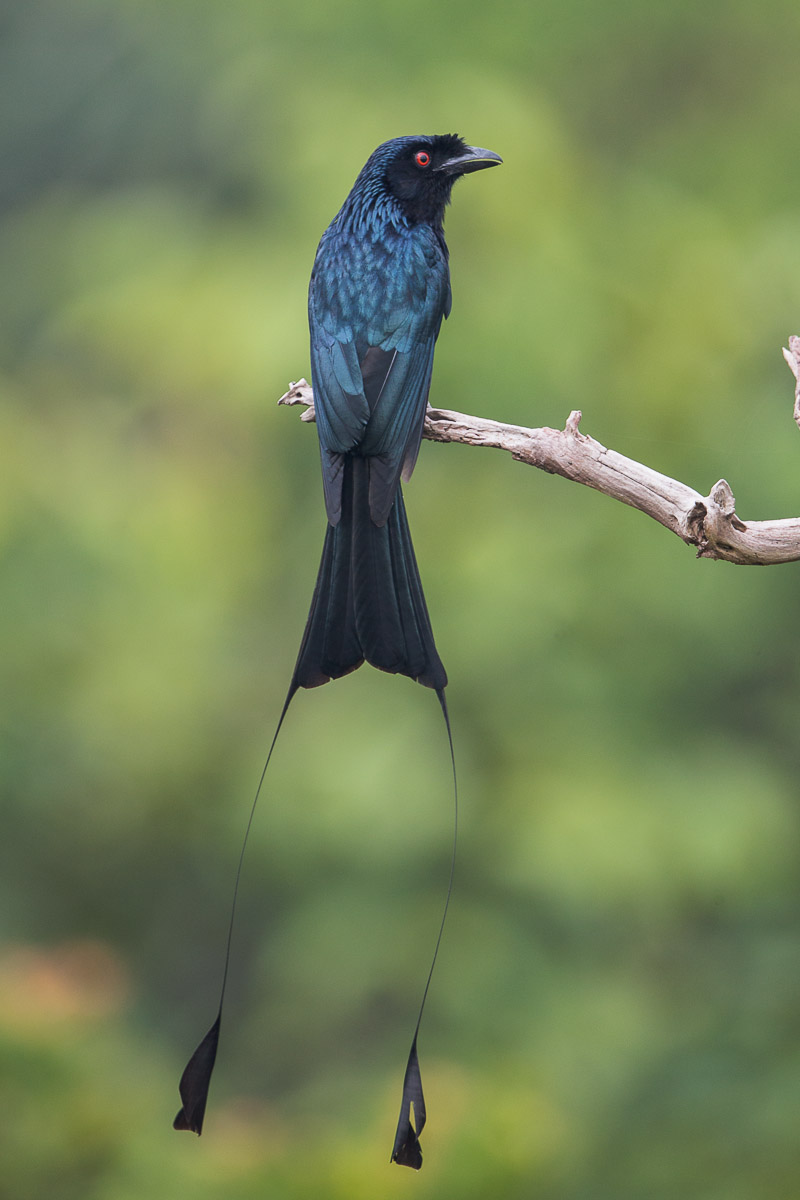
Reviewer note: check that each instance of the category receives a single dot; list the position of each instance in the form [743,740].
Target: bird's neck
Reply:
[370,208]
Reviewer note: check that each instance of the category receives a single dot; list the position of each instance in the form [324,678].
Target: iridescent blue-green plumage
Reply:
[379,291]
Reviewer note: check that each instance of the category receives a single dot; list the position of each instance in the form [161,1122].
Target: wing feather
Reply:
[372,358]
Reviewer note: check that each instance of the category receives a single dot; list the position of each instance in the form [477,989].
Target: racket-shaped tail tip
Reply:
[407,1151]
[195,1083]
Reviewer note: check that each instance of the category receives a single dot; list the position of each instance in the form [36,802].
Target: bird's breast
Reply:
[377,284]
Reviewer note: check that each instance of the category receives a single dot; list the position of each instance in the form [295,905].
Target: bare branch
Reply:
[707,522]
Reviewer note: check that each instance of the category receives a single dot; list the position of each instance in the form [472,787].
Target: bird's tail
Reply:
[368,603]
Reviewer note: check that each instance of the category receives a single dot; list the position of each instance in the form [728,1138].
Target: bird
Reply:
[379,292]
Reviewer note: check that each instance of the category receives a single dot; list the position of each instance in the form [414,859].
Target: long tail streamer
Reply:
[407,1150]
[196,1078]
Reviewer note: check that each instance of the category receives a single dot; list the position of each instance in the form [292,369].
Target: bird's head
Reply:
[419,172]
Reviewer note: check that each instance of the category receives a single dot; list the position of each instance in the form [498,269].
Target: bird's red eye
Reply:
[422,158]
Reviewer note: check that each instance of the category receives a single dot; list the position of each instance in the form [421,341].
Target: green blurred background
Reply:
[616,1011]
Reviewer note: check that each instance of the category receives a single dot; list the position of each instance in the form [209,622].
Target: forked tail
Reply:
[368,602]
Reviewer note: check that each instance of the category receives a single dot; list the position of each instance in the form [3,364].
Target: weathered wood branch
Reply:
[709,523]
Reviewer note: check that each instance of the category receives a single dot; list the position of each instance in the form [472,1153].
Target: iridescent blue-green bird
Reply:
[379,291]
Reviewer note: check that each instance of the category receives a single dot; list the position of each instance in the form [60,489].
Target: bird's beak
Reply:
[473,159]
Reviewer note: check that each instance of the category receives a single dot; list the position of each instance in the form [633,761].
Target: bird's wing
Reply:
[394,432]
[397,368]
[341,408]
[373,332]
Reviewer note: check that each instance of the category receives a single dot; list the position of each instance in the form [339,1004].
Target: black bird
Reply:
[379,290]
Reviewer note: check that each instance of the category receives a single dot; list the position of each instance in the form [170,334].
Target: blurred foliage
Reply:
[615,1012]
